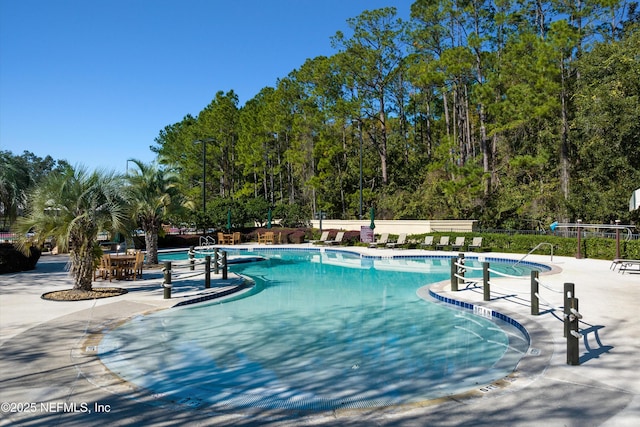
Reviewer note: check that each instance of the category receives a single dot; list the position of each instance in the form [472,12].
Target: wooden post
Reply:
[486,287]
[207,271]
[224,265]
[573,337]
[167,280]
[461,269]
[454,271]
[535,289]
[569,292]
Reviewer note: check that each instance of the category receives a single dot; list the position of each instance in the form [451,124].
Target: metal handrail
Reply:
[207,241]
[532,250]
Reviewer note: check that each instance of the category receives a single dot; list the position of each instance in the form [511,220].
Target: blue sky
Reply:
[94,81]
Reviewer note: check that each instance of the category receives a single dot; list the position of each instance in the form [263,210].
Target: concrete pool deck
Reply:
[50,374]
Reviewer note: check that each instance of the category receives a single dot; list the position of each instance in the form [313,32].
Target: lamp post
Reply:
[129,160]
[360,136]
[618,239]
[204,171]
[579,254]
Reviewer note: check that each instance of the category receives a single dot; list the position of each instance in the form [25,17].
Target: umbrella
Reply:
[372,214]
[229,219]
[269,218]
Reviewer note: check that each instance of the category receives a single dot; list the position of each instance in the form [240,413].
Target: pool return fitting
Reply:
[219,263]
[571,315]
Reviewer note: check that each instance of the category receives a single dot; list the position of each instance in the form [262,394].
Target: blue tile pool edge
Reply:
[494,314]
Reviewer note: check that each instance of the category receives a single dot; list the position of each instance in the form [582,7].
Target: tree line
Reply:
[514,113]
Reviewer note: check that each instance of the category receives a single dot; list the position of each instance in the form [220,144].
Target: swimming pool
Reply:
[321,330]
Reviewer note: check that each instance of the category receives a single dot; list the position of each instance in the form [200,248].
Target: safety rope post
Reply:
[461,269]
[569,293]
[192,256]
[207,271]
[486,287]
[573,337]
[224,265]
[535,302]
[454,271]
[167,279]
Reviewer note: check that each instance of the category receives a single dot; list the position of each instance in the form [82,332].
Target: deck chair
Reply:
[476,243]
[402,239]
[458,244]
[323,238]
[444,242]
[428,242]
[383,240]
[337,240]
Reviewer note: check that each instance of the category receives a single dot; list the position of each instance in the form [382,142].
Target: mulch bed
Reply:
[80,295]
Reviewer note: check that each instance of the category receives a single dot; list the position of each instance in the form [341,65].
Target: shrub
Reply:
[13,261]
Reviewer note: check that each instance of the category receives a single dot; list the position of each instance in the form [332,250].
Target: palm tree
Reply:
[71,207]
[14,181]
[154,195]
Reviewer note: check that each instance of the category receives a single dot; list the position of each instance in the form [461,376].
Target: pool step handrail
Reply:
[206,241]
[533,250]
[571,314]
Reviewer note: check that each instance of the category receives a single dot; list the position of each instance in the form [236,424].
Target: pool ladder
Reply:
[533,250]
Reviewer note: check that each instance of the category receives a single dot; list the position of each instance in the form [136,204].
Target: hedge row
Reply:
[591,247]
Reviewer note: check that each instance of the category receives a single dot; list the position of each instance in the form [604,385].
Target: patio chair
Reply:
[476,243]
[444,242]
[104,270]
[428,242]
[383,240]
[402,239]
[139,263]
[458,244]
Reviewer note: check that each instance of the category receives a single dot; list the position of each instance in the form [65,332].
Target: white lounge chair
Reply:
[476,243]
[428,242]
[337,240]
[458,244]
[383,240]
[323,238]
[444,242]
[625,265]
[402,239]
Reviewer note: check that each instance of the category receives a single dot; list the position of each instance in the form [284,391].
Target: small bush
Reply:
[13,261]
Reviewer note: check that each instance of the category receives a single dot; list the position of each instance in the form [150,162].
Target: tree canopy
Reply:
[510,112]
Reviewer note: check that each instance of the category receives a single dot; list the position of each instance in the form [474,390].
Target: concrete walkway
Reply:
[50,374]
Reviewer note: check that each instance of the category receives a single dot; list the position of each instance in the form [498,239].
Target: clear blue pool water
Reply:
[321,330]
